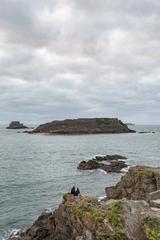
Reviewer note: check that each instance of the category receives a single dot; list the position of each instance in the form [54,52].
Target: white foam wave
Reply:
[102,171]
[125,170]
[11,233]
[101,198]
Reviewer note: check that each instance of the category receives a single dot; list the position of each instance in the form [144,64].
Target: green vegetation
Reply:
[119,235]
[103,122]
[99,216]
[145,172]
[96,213]
[102,237]
[81,210]
[152,227]
[114,215]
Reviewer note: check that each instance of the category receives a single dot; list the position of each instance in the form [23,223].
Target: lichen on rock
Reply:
[151,223]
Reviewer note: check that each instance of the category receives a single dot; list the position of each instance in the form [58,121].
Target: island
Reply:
[84,126]
[131,212]
[16,125]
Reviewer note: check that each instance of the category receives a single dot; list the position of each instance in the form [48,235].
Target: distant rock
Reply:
[84,126]
[29,132]
[114,164]
[16,125]
[130,124]
[144,132]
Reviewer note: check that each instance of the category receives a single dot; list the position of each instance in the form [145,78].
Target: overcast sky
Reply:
[79,58]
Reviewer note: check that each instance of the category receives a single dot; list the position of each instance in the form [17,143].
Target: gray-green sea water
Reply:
[36,170]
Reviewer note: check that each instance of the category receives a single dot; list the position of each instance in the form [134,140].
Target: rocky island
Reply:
[16,125]
[135,217]
[84,126]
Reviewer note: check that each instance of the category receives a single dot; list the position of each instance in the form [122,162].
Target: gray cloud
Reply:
[79,58]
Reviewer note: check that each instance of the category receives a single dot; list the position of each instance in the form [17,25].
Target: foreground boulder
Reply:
[84,218]
[136,184]
[84,126]
[16,125]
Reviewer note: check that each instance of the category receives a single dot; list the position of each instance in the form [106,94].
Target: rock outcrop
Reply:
[84,218]
[114,165]
[84,126]
[109,158]
[16,125]
[136,184]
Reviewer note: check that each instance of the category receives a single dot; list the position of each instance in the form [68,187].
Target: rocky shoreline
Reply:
[129,213]
[84,126]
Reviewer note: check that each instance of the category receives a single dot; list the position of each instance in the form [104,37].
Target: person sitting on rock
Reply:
[73,190]
[77,192]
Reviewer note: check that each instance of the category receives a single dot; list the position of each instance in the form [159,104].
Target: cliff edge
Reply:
[84,218]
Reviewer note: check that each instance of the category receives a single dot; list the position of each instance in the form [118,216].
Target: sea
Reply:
[37,170]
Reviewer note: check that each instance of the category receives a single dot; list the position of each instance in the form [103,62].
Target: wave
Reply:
[10,233]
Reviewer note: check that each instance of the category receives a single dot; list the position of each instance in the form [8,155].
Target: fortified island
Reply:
[84,126]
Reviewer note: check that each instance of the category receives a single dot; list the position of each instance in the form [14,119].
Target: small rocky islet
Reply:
[115,163]
[16,125]
[131,212]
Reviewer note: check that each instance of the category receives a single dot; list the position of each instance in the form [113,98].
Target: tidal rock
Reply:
[91,164]
[109,158]
[113,166]
[145,132]
[84,126]
[16,125]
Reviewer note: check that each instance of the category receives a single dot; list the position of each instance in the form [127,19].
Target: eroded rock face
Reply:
[16,125]
[84,126]
[84,218]
[136,184]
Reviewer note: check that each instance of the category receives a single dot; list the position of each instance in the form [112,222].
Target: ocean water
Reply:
[36,170]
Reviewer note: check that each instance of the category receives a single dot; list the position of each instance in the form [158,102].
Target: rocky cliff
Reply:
[84,126]
[84,218]
[136,184]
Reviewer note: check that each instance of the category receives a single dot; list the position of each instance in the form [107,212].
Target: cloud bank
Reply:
[79,58]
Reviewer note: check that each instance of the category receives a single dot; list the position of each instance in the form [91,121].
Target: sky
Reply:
[80,58]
